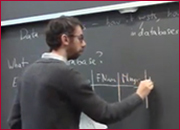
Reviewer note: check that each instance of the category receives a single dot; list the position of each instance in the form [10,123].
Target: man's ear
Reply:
[65,39]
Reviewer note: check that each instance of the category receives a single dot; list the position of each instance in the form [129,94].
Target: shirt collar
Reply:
[53,56]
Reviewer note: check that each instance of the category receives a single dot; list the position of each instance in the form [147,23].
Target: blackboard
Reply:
[121,48]
[21,9]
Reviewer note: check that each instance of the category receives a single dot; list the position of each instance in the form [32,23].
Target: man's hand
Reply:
[145,88]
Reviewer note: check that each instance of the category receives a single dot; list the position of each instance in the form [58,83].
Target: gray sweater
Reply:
[51,95]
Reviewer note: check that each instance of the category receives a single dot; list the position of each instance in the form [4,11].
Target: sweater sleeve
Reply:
[85,99]
[14,119]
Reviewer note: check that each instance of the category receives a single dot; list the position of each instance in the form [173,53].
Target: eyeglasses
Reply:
[80,37]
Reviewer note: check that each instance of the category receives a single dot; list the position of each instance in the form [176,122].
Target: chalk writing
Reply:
[112,22]
[88,61]
[100,77]
[121,81]
[26,34]
[100,54]
[85,62]
[154,31]
[14,82]
[148,17]
[14,64]
[171,13]
[126,78]
[130,18]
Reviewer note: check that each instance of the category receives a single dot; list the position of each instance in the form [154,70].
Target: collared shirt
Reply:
[85,121]
[53,56]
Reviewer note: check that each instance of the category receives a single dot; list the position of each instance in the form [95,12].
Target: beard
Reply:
[74,56]
[73,53]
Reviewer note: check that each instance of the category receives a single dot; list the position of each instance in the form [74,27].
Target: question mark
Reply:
[100,53]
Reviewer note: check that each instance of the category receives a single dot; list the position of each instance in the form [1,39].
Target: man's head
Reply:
[66,33]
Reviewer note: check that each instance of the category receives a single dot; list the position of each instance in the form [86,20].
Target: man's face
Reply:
[76,45]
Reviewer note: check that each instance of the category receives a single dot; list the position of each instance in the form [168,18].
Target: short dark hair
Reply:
[59,26]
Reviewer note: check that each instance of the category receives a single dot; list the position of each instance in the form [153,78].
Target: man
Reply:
[52,95]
